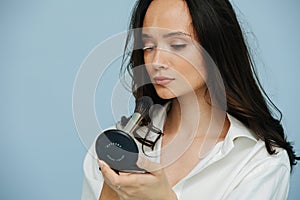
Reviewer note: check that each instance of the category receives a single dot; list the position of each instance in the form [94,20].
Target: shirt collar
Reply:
[236,130]
[159,115]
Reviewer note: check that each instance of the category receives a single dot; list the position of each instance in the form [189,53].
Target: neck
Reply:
[193,116]
[185,114]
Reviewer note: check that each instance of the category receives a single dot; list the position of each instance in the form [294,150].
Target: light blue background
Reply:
[42,45]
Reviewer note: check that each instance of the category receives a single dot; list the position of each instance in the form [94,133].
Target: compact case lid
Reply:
[118,150]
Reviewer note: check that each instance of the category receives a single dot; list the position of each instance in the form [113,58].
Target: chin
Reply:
[164,93]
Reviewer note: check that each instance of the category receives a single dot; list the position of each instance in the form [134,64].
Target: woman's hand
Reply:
[153,185]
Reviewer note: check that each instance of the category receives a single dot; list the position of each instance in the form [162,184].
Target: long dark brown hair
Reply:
[219,33]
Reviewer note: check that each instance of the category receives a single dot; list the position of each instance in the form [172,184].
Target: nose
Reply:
[159,60]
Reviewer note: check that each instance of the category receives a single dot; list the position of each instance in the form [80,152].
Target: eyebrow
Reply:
[177,33]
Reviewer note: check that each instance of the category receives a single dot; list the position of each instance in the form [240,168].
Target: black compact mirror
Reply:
[118,150]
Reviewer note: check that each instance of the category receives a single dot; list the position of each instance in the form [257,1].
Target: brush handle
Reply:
[132,123]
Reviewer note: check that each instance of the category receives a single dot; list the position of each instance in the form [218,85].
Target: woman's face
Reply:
[172,56]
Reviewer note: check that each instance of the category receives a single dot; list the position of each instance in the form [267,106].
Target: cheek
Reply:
[190,72]
[195,70]
[148,57]
[147,63]
[149,70]
[190,78]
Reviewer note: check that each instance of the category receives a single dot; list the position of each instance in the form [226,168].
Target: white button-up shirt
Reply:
[238,168]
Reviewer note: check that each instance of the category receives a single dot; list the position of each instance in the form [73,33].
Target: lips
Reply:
[162,80]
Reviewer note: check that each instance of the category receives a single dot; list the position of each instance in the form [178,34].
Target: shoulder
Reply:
[254,170]
[253,151]
[260,159]
[261,175]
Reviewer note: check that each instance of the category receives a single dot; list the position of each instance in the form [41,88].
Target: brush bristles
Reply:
[143,105]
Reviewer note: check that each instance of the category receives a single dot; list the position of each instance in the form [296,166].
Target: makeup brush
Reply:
[142,108]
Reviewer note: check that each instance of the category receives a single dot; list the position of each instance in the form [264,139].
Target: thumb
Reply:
[152,167]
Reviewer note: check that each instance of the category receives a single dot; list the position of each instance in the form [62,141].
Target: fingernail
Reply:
[140,162]
[101,164]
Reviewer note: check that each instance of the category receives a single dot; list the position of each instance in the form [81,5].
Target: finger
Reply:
[124,173]
[117,181]
[108,173]
[99,164]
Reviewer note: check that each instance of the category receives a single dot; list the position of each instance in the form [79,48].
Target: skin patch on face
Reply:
[172,56]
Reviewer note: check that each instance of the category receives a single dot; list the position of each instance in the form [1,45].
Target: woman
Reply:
[209,150]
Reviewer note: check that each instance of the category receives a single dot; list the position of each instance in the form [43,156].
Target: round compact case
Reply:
[118,150]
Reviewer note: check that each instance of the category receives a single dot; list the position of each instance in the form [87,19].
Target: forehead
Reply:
[169,14]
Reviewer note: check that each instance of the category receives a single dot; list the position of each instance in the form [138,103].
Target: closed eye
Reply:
[148,48]
[178,46]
